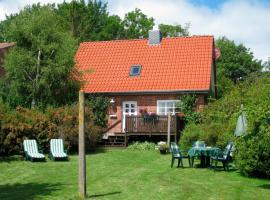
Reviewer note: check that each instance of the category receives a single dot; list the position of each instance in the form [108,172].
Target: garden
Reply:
[125,174]
[45,62]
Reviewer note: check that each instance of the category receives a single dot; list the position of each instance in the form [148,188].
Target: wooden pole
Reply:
[82,164]
[175,129]
[169,129]
[125,139]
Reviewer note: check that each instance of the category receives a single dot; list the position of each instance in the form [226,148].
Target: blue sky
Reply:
[216,4]
[244,21]
[213,4]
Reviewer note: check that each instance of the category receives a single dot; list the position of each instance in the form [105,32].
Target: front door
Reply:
[129,108]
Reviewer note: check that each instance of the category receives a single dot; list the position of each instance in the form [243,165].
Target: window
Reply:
[135,70]
[167,106]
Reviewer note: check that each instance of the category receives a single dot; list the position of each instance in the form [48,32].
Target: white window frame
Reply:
[166,106]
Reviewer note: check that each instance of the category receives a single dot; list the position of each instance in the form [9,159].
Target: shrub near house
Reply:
[218,122]
[62,122]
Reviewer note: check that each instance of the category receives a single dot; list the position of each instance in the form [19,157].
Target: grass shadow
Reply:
[265,186]
[103,195]
[97,150]
[27,191]
[11,158]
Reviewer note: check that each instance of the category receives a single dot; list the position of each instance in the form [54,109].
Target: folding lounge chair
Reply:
[31,151]
[57,150]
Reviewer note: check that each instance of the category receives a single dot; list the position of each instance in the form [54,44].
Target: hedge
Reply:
[62,122]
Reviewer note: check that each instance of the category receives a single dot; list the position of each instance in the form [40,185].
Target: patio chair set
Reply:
[56,152]
[206,154]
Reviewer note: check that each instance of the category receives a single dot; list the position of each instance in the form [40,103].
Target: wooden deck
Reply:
[149,125]
[143,126]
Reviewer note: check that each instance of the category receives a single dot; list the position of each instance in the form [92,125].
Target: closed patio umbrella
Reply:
[241,126]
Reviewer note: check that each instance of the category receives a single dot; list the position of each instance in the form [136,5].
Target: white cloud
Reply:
[8,7]
[245,22]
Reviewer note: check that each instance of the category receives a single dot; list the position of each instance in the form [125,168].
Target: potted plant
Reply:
[163,147]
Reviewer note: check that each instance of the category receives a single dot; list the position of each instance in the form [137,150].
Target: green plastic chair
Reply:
[224,158]
[199,143]
[57,151]
[31,151]
[176,154]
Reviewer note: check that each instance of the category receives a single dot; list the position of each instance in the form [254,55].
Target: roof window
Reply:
[135,70]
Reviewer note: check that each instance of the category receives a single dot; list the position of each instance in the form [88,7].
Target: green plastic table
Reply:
[204,153]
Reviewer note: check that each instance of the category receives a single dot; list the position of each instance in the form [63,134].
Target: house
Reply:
[4,47]
[147,75]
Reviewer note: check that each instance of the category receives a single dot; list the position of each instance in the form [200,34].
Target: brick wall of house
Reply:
[148,102]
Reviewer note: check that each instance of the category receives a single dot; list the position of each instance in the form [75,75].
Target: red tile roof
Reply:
[177,64]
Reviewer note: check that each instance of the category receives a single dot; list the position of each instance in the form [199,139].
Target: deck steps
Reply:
[114,141]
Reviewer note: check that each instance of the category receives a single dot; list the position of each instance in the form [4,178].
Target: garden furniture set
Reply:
[200,150]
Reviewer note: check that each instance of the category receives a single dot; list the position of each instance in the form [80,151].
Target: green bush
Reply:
[62,122]
[253,149]
[218,122]
[191,133]
[142,146]
[99,105]
[20,124]
[187,105]
[66,120]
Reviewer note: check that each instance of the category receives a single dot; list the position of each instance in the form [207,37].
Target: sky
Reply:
[244,21]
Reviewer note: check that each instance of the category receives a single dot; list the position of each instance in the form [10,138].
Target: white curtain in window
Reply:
[166,106]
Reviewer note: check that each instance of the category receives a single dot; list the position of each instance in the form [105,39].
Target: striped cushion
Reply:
[30,146]
[57,148]
[37,155]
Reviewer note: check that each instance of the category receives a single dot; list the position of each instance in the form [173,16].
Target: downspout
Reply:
[214,69]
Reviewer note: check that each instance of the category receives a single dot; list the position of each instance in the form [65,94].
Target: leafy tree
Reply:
[113,29]
[73,16]
[235,61]
[137,24]
[173,31]
[39,68]
[3,24]
[89,21]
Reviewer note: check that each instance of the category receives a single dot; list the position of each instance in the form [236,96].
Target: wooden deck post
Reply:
[169,129]
[125,139]
[82,164]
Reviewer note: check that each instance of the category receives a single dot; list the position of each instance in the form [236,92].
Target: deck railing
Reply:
[149,124]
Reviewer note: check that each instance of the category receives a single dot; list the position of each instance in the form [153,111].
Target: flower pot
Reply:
[163,151]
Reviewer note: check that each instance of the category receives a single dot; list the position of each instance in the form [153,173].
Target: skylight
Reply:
[135,70]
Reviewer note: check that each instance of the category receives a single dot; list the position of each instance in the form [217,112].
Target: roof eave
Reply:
[203,91]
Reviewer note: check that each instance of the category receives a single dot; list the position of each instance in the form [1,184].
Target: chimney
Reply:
[155,37]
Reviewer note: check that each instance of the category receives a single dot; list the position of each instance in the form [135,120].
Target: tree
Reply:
[173,31]
[73,16]
[235,61]
[89,21]
[39,68]
[136,24]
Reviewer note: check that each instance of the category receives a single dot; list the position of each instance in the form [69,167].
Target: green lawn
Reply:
[125,174]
